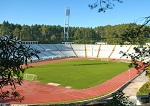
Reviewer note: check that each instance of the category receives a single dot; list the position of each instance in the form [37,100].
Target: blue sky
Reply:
[52,12]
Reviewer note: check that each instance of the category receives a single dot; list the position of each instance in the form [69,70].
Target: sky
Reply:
[52,12]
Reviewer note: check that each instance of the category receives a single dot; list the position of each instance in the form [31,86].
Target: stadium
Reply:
[36,92]
[91,60]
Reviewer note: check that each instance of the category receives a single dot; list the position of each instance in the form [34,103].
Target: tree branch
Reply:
[103,5]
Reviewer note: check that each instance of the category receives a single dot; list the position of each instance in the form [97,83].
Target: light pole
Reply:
[129,75]
[66,23]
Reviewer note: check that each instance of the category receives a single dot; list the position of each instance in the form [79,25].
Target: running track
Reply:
[39,93]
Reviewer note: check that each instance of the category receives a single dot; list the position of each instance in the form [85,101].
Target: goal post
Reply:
[30,77]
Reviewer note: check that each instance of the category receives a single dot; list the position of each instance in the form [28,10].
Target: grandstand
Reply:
[56,51]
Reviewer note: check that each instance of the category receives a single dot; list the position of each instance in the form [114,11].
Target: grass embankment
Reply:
[78,74]
[145,89]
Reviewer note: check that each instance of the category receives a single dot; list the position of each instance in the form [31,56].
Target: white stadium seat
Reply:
[52,51]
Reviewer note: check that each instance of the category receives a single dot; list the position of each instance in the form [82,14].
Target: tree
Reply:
[140,59]
[13,54]
[141,54]
[119,99]
[133,34]
[78,34]
[103,5]
[5,28]
[53,37]
[25,32]
[16,32]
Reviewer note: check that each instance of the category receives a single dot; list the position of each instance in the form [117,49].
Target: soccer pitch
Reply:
[78,74]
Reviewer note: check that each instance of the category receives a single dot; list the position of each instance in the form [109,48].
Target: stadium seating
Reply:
[55,51]
[36,46]
[92,50]
[130,50]
[105,51]
[79,49]
[116,53]
[65,49]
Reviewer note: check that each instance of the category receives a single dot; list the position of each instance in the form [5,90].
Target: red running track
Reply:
[36,93]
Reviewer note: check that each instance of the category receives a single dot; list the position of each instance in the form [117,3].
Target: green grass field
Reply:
[78,74]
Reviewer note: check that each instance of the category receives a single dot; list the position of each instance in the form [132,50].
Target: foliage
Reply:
[148,72]
[140,58]
[136,34]
[133,34]
[103,5]
[12,56]
[119,99]
[54,34]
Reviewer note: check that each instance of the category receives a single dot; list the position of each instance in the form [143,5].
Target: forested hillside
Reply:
[54,34]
